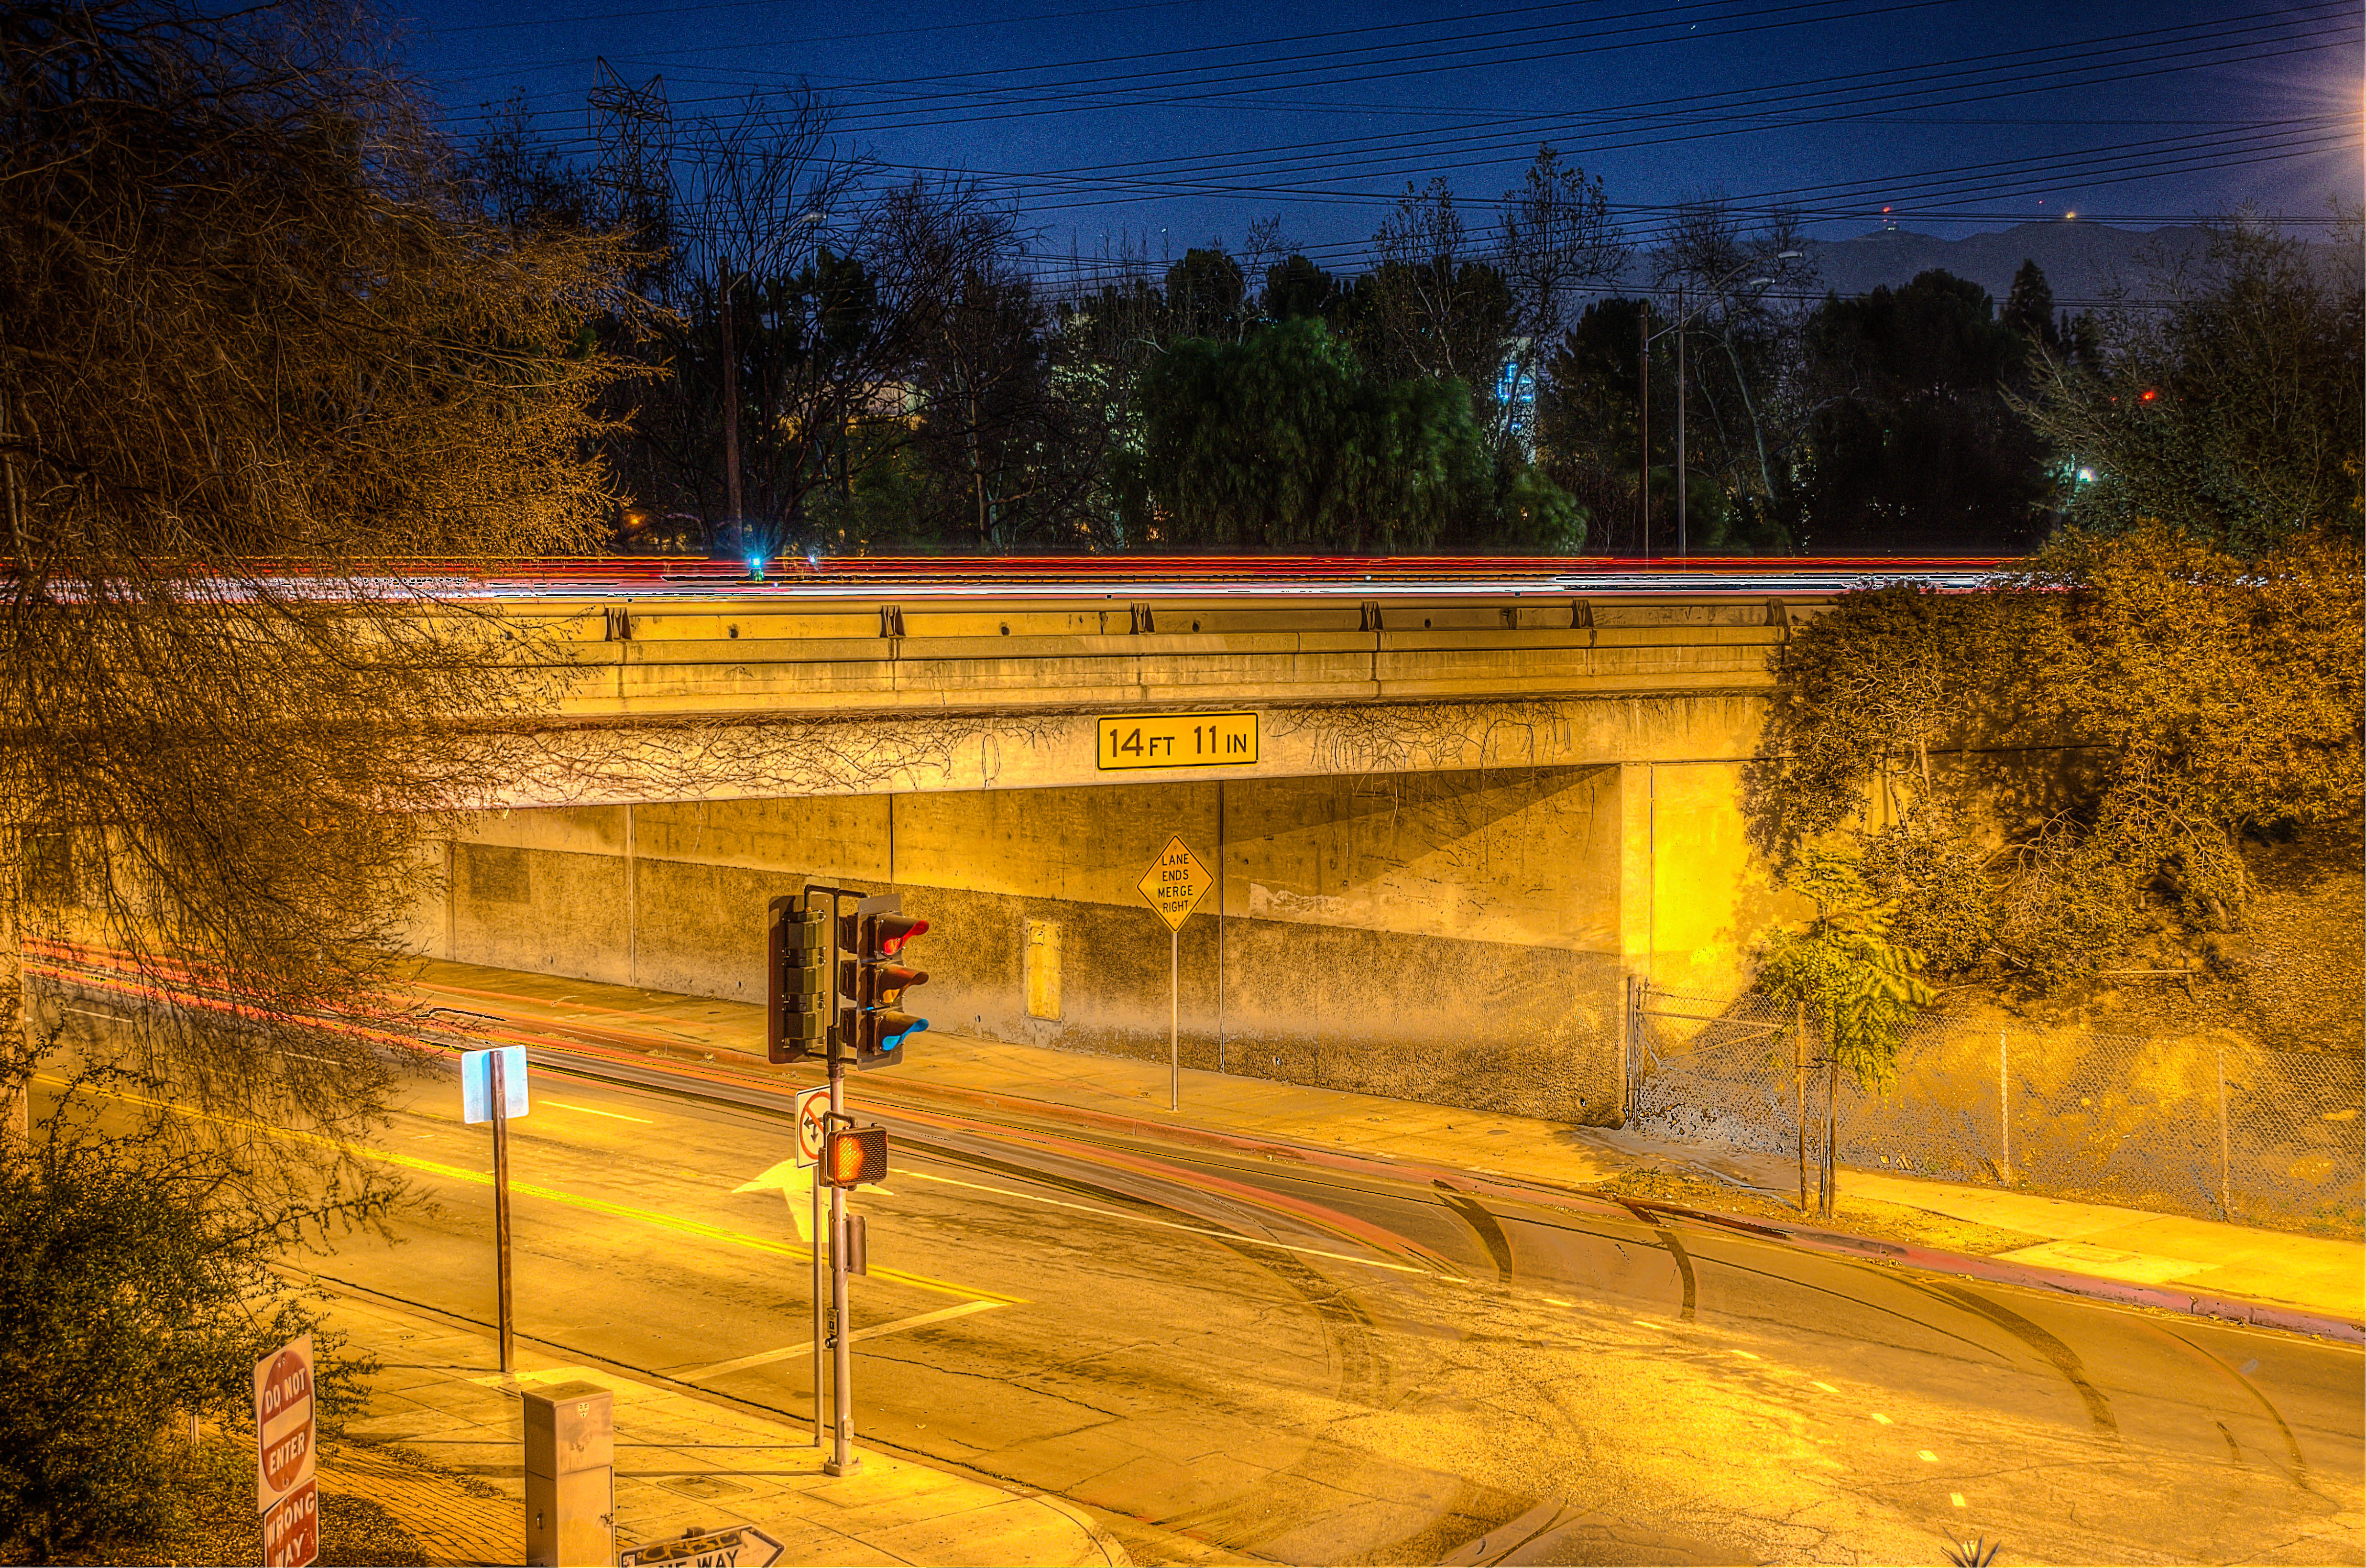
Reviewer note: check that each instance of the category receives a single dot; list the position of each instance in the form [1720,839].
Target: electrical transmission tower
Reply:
[633,129]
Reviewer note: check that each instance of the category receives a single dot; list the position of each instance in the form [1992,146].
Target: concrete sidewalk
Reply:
[2153,1255]
[681,1464]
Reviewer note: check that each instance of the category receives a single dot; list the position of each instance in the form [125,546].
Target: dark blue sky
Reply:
[1169,121]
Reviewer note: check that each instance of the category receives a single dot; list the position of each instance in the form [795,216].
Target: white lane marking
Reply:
[1927,1454]
[1188,1230]
[612,1115]
[1556,1301]
[1827,1388]
[1956,1498]
[1746,1355]
[939,1315]
[1882,1418]
[103,1018]
[768,1357]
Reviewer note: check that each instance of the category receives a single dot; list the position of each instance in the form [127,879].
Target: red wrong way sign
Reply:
[291,1530]
[283,1423]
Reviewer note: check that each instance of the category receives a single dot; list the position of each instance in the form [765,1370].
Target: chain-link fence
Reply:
[2212,1124]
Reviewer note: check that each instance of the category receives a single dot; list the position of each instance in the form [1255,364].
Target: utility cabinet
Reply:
[570,1476]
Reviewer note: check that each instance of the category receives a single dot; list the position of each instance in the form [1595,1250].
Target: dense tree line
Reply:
[2078,767]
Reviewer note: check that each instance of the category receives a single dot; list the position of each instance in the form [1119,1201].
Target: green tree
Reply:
[1281,442]
[1207,296]
[1914,447]
[135,1297]
[1860,987]
[2232,415]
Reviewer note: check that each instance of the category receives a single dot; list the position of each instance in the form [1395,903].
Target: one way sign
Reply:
[743,1546]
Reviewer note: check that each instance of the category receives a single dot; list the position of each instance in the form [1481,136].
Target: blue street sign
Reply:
[476,1083]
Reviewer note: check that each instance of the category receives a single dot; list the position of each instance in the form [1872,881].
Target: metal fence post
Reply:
[2226,1204]
[2004,1111]
[1629,1067]
[1799,1092]
[1830,1196]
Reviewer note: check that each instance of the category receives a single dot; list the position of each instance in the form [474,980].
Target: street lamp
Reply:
[1683,320]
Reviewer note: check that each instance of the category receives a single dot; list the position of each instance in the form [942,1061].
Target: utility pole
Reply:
[1682,540]
[731,414]
[1643,472]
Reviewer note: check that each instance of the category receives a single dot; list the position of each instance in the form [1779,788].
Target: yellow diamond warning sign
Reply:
[1176,883]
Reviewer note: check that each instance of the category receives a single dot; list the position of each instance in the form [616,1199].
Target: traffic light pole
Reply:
[845,1004]
[841,1459]
[813,1230]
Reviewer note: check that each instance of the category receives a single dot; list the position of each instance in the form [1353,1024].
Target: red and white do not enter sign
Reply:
[283,1421]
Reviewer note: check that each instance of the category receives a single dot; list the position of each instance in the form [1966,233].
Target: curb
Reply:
[2032,1276]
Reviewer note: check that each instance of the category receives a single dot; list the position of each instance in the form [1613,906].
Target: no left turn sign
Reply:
[813,1104]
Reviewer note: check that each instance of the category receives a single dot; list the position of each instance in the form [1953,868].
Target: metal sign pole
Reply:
[1173,1019]
[842,1376]
[829,1031]
[500,1110]
[814,1198]
[842,1460]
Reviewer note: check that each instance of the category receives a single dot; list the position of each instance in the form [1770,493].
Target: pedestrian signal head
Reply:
[854,1158]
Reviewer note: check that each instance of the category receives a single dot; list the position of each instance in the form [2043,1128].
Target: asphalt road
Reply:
[1226,1356]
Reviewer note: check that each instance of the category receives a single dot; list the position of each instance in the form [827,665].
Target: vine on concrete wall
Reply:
[691,758]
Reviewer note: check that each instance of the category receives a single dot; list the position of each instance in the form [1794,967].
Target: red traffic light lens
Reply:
[889,932]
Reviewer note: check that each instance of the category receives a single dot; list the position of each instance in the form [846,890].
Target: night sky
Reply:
[1162,123]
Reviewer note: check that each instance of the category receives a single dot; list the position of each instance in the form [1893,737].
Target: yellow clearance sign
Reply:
[1176,740]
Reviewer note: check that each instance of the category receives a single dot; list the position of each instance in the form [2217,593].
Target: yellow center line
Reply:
[614,1210]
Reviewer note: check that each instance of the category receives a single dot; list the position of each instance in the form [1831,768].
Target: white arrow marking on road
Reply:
[794,1182]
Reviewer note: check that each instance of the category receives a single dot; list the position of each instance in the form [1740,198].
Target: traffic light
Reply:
[854,1156]
[870,1019]
[797,970]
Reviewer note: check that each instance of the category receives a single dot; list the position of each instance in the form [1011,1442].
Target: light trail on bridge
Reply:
[1166,576]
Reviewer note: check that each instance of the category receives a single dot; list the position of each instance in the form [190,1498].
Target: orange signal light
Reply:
[854,1158]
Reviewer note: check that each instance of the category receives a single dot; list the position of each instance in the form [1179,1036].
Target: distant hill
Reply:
[2079,260]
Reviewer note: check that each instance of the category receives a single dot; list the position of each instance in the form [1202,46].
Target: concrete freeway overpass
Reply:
[1476,795]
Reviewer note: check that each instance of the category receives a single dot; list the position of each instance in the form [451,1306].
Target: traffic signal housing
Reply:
[871,1019]
[797,970]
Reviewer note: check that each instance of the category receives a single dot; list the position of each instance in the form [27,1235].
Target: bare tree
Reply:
[1438,305]
[1722,273]
[257,344]
[1556,243]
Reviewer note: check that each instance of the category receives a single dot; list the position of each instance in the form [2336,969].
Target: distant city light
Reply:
[2086,475]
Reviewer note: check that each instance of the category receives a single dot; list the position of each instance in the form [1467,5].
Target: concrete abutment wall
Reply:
[1457,936]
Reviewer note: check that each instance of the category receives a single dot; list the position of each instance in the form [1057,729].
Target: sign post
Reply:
[286,1495]
[813,1122]
[1173,887]
[492,1088]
